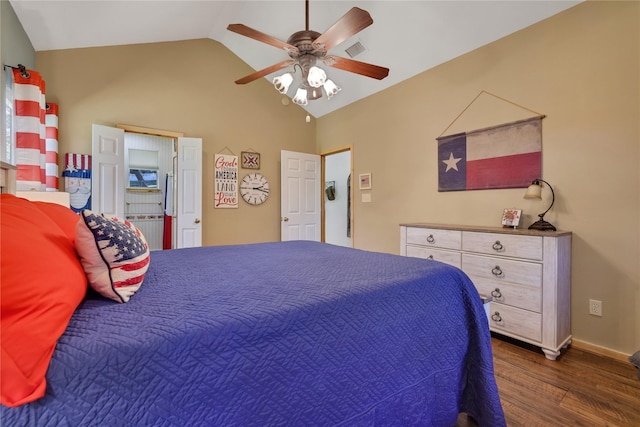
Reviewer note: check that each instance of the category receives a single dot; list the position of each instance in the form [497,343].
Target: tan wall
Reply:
[185,87]
[581,69]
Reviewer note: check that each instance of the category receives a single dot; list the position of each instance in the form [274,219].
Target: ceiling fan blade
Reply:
[350,24]
[353,66]
[264,72]
[243,30]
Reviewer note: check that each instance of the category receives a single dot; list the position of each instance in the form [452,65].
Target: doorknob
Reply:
[197,221]
[285,219]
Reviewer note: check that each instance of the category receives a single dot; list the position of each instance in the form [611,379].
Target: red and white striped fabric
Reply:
[29,108]
[51,165]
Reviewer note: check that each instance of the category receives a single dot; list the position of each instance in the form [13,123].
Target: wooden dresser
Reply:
[527,272]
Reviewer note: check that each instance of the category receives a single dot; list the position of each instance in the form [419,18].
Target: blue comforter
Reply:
[275,334]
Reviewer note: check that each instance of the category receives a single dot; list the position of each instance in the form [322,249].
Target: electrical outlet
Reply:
[595,307]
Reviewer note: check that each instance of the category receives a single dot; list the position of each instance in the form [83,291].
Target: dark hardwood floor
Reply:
[578,389]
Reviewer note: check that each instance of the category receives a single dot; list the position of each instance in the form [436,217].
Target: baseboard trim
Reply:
[601,351]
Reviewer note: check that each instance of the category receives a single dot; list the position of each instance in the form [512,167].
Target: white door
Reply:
[108,176]
[300,196]
[189,193]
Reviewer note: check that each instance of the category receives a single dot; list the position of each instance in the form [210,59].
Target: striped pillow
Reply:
[114,254]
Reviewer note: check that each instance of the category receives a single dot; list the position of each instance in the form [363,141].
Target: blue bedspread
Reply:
[275,334]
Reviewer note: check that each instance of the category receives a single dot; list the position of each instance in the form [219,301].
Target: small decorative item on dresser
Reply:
[511,217]
[250,160]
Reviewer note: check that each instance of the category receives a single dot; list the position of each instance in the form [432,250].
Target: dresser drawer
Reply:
[515,321]
[447,239]
[526,297]
[529,247]
[503,270]
[448,257]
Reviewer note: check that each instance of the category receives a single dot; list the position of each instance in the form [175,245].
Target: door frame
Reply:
[323,156]
[176,136]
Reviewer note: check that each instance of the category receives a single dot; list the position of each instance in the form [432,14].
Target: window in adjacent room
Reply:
[143,169]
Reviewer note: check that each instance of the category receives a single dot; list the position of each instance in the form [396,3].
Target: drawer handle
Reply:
[430,238]
[430,257]
[497,271]
[496,317]
[497,246]
[496,293]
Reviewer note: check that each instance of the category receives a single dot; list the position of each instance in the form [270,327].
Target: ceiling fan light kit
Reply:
[305,48]
[301,97]
[331,88]
[316,77]
[282,83]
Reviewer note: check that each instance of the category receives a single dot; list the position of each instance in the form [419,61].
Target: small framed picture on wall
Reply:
[250,160]
[511,217]
[365,181]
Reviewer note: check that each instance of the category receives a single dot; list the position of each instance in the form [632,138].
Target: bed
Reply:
[270,334]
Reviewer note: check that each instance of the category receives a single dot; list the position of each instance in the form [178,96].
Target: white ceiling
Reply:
[408,37]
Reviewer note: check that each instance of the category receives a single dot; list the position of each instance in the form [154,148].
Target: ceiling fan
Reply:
[306,47]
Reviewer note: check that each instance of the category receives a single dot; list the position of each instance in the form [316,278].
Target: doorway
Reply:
[148,200]
[337,197]
[181,197]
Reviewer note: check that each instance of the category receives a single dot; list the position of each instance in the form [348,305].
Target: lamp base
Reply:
[542,225]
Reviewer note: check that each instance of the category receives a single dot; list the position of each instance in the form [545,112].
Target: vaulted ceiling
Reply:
[408,37]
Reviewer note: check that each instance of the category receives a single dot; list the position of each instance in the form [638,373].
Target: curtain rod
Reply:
[23,70]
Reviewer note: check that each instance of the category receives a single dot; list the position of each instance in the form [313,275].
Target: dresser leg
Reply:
[550,354]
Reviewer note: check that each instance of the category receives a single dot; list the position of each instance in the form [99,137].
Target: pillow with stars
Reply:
[114,254]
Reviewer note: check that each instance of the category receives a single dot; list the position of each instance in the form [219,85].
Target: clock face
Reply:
[254,188]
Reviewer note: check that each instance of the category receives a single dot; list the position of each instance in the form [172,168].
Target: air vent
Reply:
[356,49]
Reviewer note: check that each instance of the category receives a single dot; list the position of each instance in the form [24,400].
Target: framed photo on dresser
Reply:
[511,217]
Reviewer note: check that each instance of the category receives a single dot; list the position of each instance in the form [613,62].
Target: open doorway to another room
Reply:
[337,211]
[149,162]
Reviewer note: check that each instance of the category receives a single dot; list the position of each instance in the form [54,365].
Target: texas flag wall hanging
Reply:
[503,156]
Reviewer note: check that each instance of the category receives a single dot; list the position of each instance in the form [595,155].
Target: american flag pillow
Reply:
[114,254]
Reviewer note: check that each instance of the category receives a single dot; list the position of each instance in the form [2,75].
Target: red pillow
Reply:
[61,215]
[41,283]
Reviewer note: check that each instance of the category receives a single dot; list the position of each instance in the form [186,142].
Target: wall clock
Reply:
[254,188]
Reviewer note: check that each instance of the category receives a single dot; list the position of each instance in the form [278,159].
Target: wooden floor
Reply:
[578,389]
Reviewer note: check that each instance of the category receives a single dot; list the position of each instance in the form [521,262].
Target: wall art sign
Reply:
[225,170]
[250,160]
[504,156]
